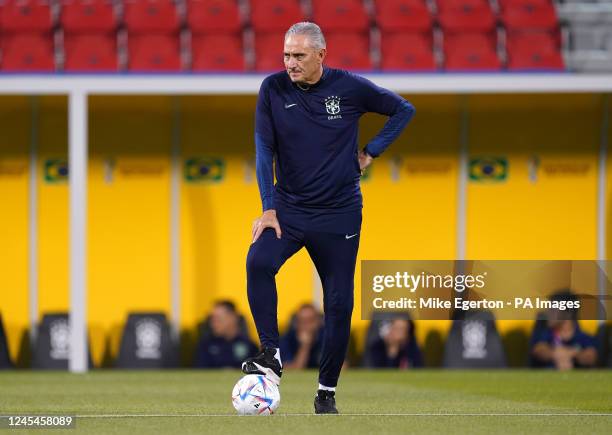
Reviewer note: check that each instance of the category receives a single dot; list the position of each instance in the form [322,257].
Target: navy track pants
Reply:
[334,255]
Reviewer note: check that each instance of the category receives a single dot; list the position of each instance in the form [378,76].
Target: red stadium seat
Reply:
[213,16]
[534,51]
[269,51]
[153,53]
[349,51]
[403,15]
[94,52]
[275,15]
[151,16]
[407,52]
[340,15]
[25,16]
[459,16]
[470,52]
[529,14]
[217,53]
[88,16]
[27,52]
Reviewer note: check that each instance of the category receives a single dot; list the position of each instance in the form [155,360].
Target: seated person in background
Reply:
[225,346]
[300,347]
[396,346]
[562,344]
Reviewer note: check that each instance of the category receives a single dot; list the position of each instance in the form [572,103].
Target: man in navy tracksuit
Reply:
[307,124]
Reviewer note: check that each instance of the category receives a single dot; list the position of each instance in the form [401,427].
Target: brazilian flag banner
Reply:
[55,171]
[488,168]
[204,169]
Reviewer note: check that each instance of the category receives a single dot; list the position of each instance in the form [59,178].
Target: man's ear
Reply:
[322,54]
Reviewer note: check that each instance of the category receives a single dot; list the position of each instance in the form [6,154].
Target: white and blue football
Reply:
[255,395]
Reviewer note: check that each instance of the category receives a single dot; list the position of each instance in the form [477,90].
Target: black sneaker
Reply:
[325,402]
[264,363]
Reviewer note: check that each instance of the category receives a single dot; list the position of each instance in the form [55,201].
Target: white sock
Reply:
[323,387]
[277,356]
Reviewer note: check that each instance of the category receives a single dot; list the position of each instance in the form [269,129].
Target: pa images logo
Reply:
[488,169]
[204,169]
[55,171]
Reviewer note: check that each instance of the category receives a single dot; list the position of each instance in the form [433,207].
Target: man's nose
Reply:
[292,63]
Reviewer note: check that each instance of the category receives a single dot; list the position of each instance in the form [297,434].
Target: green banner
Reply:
[204,169]
[56,171]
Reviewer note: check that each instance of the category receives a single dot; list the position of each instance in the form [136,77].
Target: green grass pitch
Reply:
[427,401]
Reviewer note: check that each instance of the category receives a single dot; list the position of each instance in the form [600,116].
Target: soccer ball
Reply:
[255,395]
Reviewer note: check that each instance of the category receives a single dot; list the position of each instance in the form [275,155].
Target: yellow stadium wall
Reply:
[15,124]
[409,213]
[554,216]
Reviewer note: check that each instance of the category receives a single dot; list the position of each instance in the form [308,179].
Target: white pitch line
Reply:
[433,414]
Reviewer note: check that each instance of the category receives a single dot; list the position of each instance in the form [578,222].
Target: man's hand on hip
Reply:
[364,160]
[266,220]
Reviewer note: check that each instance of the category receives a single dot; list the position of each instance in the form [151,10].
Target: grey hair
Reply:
[311,30]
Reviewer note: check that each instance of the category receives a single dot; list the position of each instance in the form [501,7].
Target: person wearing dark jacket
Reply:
[300,347]
[396,346]
[226,345]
